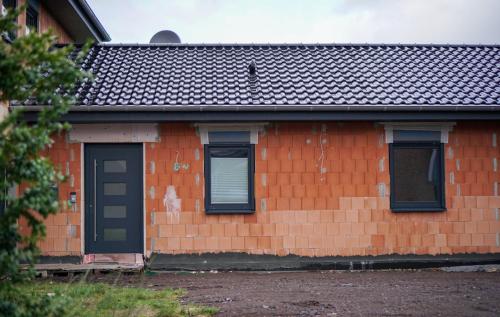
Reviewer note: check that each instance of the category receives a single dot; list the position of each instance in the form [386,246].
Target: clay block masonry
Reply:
[319,150]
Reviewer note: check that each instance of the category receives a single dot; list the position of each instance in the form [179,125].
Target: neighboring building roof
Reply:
[315,74]
[78,19]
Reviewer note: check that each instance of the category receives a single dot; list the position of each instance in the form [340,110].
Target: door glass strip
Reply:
[115,234]
[119,166]
[115,211]
[115,189]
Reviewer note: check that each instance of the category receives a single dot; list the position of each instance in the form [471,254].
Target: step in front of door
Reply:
[121,259]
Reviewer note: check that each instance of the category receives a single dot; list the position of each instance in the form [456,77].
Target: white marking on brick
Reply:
[152,167]
[153,218]
[452,178]
[450,153]
[289,155]
[495,189]
[153,241]
[381,164]
[170,201]
[71,155]
[497,213]
[495,164]
[72,231]
[459,190]
[263,154]
[263,205]
[381,189]
[381,140]
[67,168]
[263,179]
[494,140]
[457,164]
[197,205]
[197,154]
[152,192]
[308,141]
[197,179]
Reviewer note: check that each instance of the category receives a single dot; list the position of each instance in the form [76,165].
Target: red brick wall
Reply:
[64,229]
[46,22]
[342,209]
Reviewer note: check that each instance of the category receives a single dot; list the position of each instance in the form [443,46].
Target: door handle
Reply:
[95,201]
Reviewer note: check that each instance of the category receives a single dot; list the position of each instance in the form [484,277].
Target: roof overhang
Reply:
[252,113]
[78,19]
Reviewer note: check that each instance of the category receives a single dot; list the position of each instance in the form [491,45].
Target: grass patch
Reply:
[98,299]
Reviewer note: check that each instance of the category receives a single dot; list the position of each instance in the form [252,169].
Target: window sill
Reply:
[229,212]
[418,209]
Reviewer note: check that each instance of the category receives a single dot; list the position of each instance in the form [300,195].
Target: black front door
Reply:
[113,198]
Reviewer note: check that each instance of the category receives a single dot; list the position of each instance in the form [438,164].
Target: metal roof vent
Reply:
[253,80]
[252,68]
[165,37]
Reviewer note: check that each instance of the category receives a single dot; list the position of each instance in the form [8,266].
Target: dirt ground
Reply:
[333,293]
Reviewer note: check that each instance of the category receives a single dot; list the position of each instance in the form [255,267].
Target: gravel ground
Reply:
[334,293]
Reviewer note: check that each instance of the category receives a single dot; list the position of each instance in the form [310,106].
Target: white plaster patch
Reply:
[495,164]
[497,213]
[153,242]
[263,204]
[459,190]
[381,140]
[381,164]
[381,189]
[153,217]
[457,164]
[71,155]
[72,181]
[452,178]
[308,141]
[263,179]
[67,168]
[152,167]
[152,192]
[197,154]
[450,153]
[263,154]
[495,188]
[197,179]
[72,231]
[197,205]
[170,201]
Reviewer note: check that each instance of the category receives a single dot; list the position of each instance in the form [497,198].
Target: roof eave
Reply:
[275,108]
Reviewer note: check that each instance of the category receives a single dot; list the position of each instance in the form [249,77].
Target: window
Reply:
[417,171]
[229,172]
[32,18]
[10,5]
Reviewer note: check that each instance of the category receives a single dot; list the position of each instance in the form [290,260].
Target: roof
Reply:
[78,19]
[289,77]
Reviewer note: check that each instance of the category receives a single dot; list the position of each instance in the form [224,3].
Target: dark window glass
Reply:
[10,5]
[32,19]
[229,176]
[417,176]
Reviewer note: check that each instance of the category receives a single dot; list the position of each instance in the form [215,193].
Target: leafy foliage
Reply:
[31,68]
